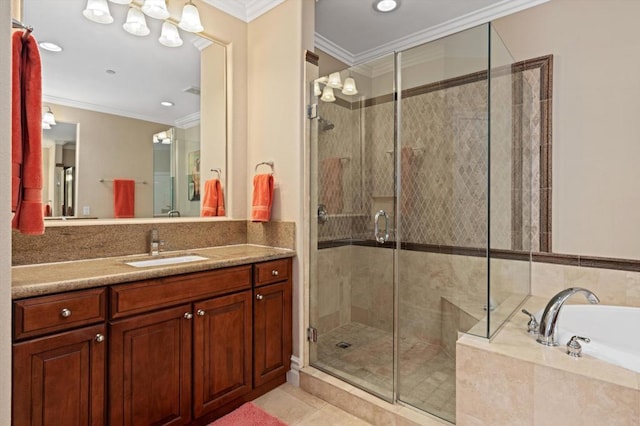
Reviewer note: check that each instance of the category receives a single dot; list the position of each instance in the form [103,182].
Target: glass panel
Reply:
[443,209]
[351,280]
[511,174]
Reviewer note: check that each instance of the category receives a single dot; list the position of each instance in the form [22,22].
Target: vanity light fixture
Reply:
[333,81]
[50,46]
[98,11]
[385,5]
[136,23]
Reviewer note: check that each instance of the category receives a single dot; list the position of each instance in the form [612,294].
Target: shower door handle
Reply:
[381,238]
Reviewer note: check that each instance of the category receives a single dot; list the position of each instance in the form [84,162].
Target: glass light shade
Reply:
[327,94]
[48,118]
[316,88]
[334,80]
[98,11]
[136,23]
[120,1]
[155,9]
[190,20]
[170,36]
[46,126]
[349,87]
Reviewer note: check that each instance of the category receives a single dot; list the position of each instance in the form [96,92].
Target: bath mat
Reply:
[248,414]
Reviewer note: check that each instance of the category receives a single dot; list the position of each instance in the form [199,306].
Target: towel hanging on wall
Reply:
[262,198]
[124,191]
[26,135]
[213,200]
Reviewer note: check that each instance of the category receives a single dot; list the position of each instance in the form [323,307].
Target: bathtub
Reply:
[613,331]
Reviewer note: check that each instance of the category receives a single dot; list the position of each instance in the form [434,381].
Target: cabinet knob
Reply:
[259,296]
[188,315]
[99,338]
[274,272]
[200,312]
[65,313]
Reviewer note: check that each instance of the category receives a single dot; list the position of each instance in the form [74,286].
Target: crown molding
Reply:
[188,121]
[479,17]
[245,10]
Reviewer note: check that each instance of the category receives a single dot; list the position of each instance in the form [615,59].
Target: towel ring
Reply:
[266,163]
[218,171]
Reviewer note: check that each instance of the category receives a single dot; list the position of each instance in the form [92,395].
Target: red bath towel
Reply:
[124,191]
[213,199]
[262,198]
[26,136]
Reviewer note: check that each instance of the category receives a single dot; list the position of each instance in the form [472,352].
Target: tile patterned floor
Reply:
[296,407]
[427,372]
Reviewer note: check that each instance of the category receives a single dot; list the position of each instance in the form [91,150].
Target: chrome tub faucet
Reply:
[548,330]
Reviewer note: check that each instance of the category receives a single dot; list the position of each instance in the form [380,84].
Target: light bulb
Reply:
[98,11]
[327,94]
[349,87]
[190,20]
[170,36]
[136,23]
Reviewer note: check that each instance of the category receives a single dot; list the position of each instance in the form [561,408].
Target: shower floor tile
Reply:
[427,372]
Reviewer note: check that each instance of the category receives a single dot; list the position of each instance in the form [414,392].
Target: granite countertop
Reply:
[48,278]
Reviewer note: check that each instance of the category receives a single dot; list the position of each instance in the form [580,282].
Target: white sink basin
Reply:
[166,261]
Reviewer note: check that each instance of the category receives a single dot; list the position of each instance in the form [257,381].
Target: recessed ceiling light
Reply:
[385,5]
[50,46]
[166,103]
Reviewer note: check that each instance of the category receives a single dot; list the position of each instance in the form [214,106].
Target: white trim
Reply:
[293,375]
[479,17]
[188,121]
[101,108]
[245,10]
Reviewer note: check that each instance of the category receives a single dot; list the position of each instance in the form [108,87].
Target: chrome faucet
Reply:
[174,213]
[548,334]
[154,243]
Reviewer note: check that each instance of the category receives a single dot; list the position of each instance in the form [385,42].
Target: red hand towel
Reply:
[262,198]
[124,191]
[26,136]
[213,200]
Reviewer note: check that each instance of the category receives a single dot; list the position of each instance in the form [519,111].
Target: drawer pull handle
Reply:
[99,338]
[259,296]
[65,313]
[200,312]
[274,272]
[188,315]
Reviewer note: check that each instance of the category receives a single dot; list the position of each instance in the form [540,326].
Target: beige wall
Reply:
[110,146]
[277,41]
[596,99]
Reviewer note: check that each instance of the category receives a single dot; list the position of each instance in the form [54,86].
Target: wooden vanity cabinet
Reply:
[271,321]
[60,376]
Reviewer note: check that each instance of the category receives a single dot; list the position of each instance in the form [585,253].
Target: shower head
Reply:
[325,124]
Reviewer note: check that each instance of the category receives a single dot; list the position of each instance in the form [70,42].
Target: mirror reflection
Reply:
[118,90]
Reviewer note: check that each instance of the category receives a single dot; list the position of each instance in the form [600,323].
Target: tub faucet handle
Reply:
[574,348]
[532,325]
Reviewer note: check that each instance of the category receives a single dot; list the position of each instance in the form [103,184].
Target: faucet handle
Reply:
[574,348]
[532,325]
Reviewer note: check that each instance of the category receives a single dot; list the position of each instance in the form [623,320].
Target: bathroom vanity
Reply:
[182,344]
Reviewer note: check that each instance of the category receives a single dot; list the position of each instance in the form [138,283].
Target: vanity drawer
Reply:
[41,315]
[143,296]
[272,272]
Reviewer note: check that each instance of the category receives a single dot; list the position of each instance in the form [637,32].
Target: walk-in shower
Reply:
[420,225]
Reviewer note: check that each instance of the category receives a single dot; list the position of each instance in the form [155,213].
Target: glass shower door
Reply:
[352,242]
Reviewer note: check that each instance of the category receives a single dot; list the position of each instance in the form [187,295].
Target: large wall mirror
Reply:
[128,107]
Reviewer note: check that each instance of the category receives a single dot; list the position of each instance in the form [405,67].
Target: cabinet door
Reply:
[60,379]
[222,351]
[271,332]
[150,369]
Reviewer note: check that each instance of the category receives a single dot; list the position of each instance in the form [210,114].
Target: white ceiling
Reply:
[147,72]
